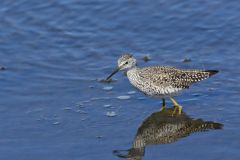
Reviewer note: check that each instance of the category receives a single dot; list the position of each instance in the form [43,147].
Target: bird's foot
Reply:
[176,107]
[177,110]
[163,108]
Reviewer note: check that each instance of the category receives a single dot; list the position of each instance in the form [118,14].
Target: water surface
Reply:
[53,107]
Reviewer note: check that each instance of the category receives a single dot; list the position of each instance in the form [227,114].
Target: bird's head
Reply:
[125,62]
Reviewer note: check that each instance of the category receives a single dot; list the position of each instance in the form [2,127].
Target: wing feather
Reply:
[170,76]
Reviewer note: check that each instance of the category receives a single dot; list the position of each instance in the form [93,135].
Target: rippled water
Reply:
[52,105]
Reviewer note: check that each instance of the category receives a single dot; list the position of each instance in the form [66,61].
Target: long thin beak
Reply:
[114,72]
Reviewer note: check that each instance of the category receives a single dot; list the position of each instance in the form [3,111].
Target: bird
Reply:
[163,128]
[160,81]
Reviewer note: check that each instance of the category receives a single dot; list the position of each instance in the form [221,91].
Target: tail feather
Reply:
[211,72]
[196,76]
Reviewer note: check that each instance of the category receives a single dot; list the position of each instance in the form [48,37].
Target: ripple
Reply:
[141,98]
[123,97]
[186,60]
[108,88]
[131,92]
[107,105]
[81,111]
[67,108]
[111,114]
[196,94]
[56,123]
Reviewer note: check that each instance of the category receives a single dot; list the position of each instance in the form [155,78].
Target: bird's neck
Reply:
[132,68]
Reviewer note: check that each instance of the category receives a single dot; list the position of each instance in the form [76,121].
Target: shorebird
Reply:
[162,82]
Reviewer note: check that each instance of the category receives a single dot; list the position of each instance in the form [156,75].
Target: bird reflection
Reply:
[162,128]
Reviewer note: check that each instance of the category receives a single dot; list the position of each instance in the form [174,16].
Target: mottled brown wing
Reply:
[170,76]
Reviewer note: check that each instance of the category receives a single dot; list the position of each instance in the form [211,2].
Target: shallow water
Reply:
[54,107]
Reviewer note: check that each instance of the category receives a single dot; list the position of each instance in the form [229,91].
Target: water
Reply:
[52,105]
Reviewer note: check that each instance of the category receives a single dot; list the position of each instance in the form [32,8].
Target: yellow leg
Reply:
[177,106]
[163,104]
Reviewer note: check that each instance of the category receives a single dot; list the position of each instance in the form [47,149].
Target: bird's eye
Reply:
[126,63]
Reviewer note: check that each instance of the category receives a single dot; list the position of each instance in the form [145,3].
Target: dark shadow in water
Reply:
[162,128]
[2,68]
[105,80]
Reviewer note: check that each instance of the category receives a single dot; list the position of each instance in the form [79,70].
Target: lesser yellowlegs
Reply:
[162,82]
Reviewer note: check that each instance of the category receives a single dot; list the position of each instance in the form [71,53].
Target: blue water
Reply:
[52,105]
